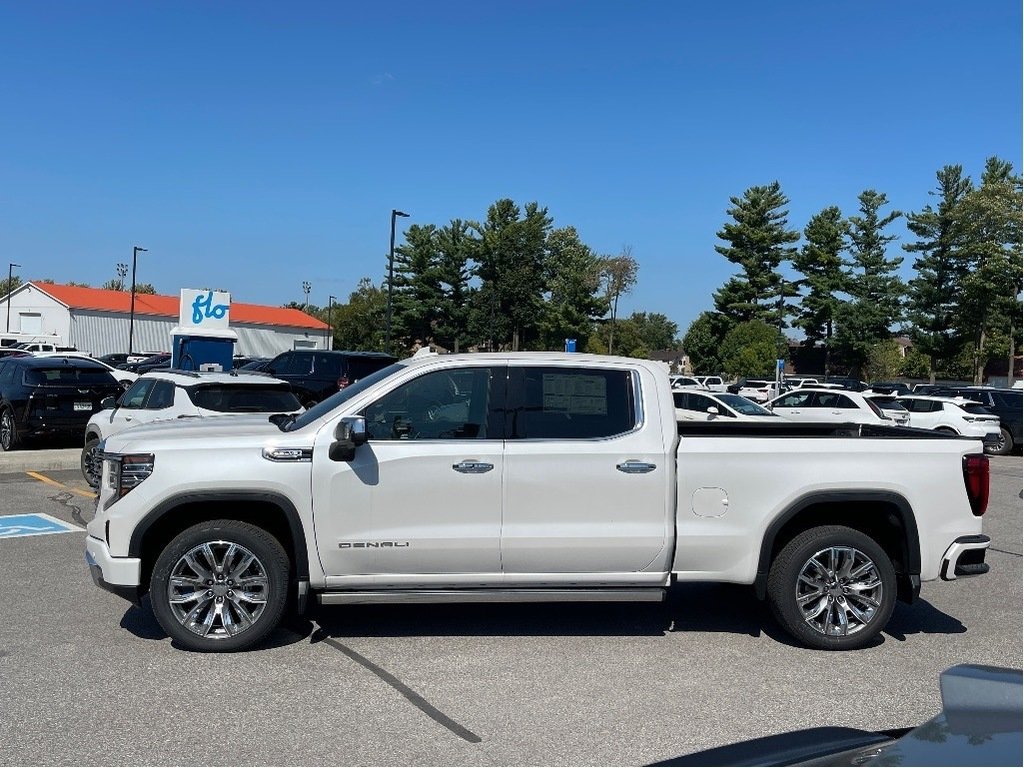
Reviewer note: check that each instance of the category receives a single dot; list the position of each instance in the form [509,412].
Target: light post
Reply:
[391,276]
[330,325]
[131,319]
[122,273]
[10,281]
[306,288]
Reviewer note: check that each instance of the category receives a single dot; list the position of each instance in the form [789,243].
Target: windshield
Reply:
[744,406]
[324,407]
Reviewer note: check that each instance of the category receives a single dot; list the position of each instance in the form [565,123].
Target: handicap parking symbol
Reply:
[37,524]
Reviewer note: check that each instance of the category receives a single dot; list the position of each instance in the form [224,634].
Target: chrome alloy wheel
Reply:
[218,589]
[838,591]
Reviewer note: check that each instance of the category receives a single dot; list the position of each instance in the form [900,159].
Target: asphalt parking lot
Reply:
[87,679]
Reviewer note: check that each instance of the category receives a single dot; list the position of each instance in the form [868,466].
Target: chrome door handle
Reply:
[473,467]
[636,467]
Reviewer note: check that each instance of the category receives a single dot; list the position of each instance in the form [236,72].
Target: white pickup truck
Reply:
[527,477]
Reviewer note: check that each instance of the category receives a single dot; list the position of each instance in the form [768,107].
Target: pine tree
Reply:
[872,282]
[417,288]
[933,294]
[821,262]
[758,242]
[573,278]
[991,281]
[456,246]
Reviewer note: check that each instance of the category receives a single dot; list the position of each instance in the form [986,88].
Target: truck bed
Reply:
[804,429]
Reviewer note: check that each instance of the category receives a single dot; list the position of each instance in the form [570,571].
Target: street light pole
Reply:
[131,320]
[330,325]
[391,276]
[10,290]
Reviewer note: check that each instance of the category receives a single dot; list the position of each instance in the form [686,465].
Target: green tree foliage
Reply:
[751,349]
[417,289]
[821,263]
[875,288]
[884,360]
[455,249]
[359,323]
[758,241]
[991,281]
[7,287]
[572,275]
[117,284]
[510,265]
[703,342]
[618,275]
[916,365]
[638,335]
[934,291]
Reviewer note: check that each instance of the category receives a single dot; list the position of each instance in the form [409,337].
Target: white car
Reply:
[678,381]
[713,383]
[891,408]
[828,405]
[952,414]
[124,378]
[698,405]
[163,395]
[758,390]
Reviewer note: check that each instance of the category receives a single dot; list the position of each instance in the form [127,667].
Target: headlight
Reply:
[122,473]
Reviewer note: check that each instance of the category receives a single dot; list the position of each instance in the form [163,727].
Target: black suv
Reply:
[317,374]
[41,396]
[1007,404]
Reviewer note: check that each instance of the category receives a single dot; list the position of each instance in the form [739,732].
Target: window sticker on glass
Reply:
[576,394]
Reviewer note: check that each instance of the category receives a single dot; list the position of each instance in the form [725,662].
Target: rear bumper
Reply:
[118,575]
[965,557]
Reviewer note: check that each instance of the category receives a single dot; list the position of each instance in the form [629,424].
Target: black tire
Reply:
[266,576]
[9,440]
[1005,445]
[843,598]
[91,468]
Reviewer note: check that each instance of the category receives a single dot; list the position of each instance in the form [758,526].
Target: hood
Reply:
[230,429]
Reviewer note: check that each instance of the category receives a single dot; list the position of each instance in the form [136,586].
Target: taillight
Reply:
[343,382]
[976,480]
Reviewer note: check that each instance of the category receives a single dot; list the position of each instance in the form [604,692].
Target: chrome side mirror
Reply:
[348,435]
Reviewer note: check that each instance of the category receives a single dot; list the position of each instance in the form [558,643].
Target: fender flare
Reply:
[910,585]
[300,554]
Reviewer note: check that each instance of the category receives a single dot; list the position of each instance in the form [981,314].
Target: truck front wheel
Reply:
[220,586]
[832,588]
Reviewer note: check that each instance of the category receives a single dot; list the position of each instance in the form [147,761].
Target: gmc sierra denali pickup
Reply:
[527,477]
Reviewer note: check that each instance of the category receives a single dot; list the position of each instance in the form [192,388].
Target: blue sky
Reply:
[251,146]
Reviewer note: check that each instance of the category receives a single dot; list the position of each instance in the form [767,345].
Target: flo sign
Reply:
[204,309]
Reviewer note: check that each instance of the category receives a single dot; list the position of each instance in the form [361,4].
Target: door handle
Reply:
[472,467]
[633,467]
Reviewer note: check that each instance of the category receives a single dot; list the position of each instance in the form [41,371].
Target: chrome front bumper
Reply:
[965,557]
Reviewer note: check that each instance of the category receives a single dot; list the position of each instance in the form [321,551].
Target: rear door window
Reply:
[66,375]
[571,403]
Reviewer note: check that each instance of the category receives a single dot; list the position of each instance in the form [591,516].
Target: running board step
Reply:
[654,595]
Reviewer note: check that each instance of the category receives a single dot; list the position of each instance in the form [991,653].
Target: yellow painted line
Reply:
[50,481]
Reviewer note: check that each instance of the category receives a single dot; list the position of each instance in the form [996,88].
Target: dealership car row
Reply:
[67,393]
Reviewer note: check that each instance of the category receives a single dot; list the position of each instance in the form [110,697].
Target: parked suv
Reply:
[162,395]
[956,415]
[1004,403]
[317,374]
[42,396]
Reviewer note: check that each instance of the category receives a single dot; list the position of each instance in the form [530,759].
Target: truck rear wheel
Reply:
[832,588]
[220,586]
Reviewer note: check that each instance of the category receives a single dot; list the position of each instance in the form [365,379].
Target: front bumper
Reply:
[118,575]
[965,557]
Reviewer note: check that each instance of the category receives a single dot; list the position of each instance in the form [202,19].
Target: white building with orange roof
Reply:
[97,321]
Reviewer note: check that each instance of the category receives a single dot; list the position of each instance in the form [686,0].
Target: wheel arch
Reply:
[885,516]
[273,512]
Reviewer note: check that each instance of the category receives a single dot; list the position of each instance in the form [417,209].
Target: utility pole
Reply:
[391,277]
[131,320]
[10,290]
